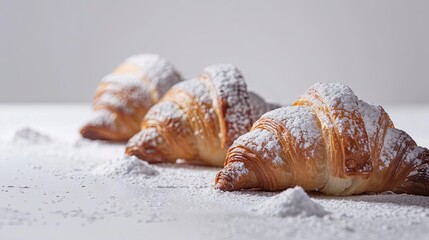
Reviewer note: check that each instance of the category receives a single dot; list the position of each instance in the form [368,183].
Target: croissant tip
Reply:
[100,133]
[137,151]
[224,182]
[132,151]
[89,132]
[221,185]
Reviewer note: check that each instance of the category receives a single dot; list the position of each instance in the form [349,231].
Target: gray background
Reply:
[57,51]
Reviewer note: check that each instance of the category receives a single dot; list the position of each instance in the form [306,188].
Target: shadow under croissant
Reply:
[385,197]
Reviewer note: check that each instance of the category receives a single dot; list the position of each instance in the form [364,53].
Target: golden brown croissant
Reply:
[198,119]
[329,141]
[124,96]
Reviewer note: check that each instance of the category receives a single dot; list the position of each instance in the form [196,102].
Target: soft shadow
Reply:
[192,166]
[386,197]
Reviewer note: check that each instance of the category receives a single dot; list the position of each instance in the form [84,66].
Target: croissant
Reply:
[328,141]
[124,96]
[198,119]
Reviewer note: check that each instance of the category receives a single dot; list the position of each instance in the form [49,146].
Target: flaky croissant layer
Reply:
[329,141]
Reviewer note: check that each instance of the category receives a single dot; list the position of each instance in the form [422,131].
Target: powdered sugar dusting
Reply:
[264,142]
[124,92]
[164,111]
[344,111]
[149,136]
[126,80]
[237,170]
[29,135]
[103,117]
[301,123]
[337,108]
[413,156]
[290,203]
[371,115]
[394,138]
[231,87]
[397,143]
[195,87]
[160,72]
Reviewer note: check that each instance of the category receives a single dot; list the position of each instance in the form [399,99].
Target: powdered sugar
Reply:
[160,72]
[126,80]
[413,156]
[371,115]
[30,136]
[337,109]
[397,143]
[264,142]
[165,110]
[290,203]
[124,92]
[149,136]
[196,88]
[231,88]
[126,166]
[344,111]
[301,123]
[238,170]
[391,140]
[103,117]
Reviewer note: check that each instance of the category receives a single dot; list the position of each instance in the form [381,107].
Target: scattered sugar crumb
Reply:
[290,203]
[125,166]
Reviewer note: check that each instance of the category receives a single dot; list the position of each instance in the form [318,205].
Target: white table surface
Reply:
[47,191]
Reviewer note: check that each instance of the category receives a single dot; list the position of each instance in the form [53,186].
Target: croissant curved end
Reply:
[95,132]
[146,145]
[224,182]
[235,176]
[418,180]
[103,126]
[90,132]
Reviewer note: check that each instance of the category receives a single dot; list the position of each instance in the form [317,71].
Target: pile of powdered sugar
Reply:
[290,203]
[126,166]
[30,136]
